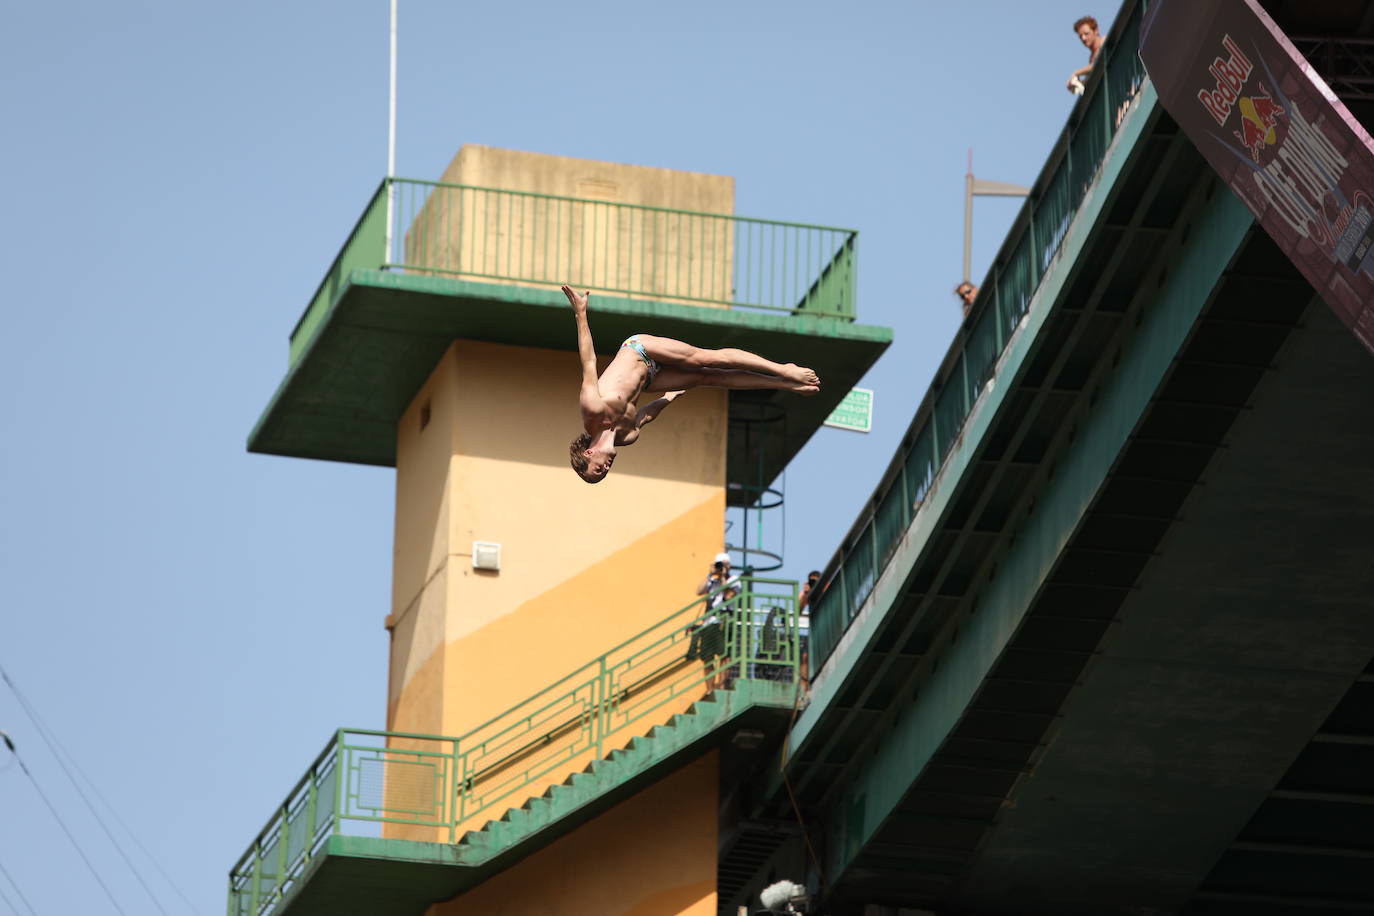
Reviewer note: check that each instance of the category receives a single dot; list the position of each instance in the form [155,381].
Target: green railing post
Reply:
[744,632]
[963,378]
[310,813]
[997,312]
[450,787]
[602,703]
[283,841]
[934,436]
[844,592]
[340,776]
[850,309]
[1106,104]
[873,548]
[461,806]
[255,887]
[388,231]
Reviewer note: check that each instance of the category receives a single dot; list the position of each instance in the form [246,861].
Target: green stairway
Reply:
[323,850]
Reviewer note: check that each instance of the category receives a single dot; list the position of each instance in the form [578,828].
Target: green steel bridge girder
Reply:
[831,681]
[917,730]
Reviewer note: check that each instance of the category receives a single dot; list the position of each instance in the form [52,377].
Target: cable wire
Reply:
[58,751]
[28,906]
[57,817]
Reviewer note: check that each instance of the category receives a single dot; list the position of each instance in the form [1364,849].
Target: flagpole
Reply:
[968,218]
[391,142]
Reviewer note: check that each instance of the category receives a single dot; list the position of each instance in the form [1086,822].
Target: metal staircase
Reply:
[389,822]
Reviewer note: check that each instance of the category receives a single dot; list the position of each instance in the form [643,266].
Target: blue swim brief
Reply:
[652,365]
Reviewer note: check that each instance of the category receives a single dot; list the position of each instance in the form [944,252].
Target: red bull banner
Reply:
[1276,133]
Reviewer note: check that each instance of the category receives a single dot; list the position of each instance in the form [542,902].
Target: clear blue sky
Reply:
[192,621]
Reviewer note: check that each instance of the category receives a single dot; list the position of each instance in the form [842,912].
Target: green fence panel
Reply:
[1015,285]
[827,618]
[1125,72]
[1087,144]
[889,522]
[981,352]
[921,464]
[490,234]
[860,572]
[951,406]
[1053,212]
[834,287]
[502,236]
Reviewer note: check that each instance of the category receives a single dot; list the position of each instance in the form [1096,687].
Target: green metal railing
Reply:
[1030,249]
[493,235]
[363,779]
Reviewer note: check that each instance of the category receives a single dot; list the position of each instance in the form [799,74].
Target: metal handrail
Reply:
[443,784]
[1031,247]
[675,210]
[544,240]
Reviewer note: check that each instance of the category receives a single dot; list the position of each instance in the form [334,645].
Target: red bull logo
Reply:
[1230,74]
[1259,123]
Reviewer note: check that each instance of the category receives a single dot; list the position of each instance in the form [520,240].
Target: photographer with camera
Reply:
[716,578]
[708,631]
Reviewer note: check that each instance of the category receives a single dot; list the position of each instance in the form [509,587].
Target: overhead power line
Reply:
[10,878]
[57,817]
[59,752]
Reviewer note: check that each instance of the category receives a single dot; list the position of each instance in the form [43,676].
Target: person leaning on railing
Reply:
[708,630]
[966,292]
[809,593]
[1086,30]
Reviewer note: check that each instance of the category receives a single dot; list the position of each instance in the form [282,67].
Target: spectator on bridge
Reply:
[812,586]
[966,292]
[1086,30]
[812,579]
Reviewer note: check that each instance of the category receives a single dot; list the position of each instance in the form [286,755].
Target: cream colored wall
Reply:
[540,173]
[542,241]
[583,567]
[652,855]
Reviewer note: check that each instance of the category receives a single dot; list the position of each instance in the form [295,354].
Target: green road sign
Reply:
[854,412]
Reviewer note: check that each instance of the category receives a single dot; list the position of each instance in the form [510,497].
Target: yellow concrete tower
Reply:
[482,457]
[539,624]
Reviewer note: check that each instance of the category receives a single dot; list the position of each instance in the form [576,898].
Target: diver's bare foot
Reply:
[807,390]
[801,375]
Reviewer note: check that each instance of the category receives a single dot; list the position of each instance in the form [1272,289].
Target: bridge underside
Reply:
[1226,643]
[1129,670]
[1175,672]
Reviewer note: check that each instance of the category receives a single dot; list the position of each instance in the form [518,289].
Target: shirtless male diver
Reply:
[648,363]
